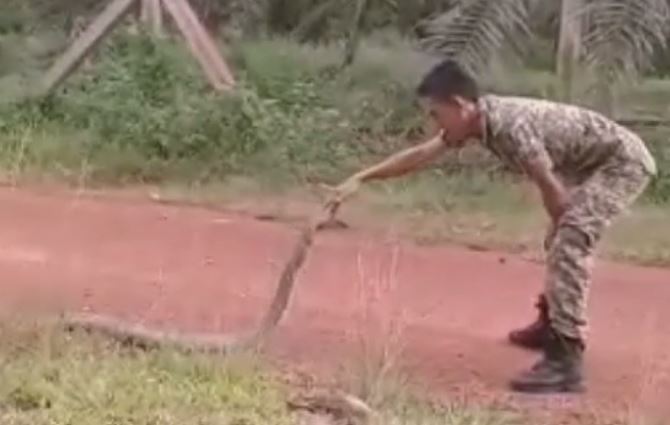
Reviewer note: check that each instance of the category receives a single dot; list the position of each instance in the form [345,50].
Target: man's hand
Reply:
[340,194]
[554,197]
[404,162]
[551,234]
[554,194]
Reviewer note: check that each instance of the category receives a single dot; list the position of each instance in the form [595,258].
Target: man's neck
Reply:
[477,124]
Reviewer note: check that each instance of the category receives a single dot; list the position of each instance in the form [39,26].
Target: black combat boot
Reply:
[559,371]
[535,335]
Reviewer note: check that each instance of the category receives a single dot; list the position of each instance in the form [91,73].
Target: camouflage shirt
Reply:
[571,140]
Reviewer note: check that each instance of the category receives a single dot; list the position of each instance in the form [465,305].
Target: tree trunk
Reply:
[355,32]
[313,23]
[151,16]
[569,44]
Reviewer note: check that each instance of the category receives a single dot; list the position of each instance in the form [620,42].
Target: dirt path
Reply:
[198,269]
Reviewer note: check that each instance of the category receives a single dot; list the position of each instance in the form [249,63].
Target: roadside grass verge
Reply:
[467,209]
[49,377]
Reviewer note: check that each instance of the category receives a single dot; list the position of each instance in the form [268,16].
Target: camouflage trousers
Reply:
[592,207]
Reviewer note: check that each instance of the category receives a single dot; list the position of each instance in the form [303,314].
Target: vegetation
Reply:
[48,377]
[52,378]
[143,114]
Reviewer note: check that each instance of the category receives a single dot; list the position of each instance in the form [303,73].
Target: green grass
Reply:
[143,114]
[641,237]
[48,377]
[508,215]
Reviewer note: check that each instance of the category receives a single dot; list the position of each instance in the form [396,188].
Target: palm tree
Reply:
[624,35]
[569,43]
[616,38]
[354,35]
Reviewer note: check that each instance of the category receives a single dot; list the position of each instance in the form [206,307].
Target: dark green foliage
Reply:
[144,113]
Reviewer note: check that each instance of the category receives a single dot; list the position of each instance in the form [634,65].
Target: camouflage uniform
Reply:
[605,168]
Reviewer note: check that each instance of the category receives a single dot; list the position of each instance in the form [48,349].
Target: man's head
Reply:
[451,95]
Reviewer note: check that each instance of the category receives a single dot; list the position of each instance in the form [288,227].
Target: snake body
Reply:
[139,336]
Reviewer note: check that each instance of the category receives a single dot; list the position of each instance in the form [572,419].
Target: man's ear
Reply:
[460,101]
[466,105]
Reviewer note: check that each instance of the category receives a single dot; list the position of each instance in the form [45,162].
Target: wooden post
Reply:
[569,45]
[353,39]
[78,28]
[201,44]
[152,16]
[78,51]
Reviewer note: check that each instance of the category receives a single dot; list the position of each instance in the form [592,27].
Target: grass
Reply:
[509,216]
[48,377]
[51,378]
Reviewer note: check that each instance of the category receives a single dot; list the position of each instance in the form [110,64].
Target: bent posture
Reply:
[587,168]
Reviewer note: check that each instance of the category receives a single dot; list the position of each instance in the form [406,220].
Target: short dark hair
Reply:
[446,80]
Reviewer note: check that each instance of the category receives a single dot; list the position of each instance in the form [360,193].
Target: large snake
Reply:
[140,336]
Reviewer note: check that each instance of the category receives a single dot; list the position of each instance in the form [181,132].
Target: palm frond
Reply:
[474,30]
[624,36]
[544,17]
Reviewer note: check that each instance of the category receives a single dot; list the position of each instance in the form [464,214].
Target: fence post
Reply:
[201,44]
[85,43]
[152,16]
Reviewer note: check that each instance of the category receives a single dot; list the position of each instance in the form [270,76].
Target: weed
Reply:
[380,333]
[48,377]
[52,378]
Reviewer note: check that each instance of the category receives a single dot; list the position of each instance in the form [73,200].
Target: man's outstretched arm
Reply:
[399,164]
[404,162]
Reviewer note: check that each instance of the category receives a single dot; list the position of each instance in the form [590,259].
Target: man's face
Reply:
[453,116]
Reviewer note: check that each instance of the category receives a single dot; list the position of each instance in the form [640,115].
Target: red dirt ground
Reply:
[199,269]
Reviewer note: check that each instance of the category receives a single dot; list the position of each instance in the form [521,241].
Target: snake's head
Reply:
[332,224]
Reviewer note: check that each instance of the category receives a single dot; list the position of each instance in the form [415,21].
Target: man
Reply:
[587,168]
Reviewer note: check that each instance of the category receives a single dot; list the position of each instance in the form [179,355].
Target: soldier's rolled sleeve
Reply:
[529,147]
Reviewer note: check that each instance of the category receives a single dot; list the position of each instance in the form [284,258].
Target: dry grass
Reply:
[380,330]
[52,378]
[48,377]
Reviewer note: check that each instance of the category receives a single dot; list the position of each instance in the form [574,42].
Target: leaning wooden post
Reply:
[152,16]
[201,44]
[86,42]
[569,45]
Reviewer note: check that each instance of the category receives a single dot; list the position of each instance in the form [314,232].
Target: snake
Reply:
[143,337]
